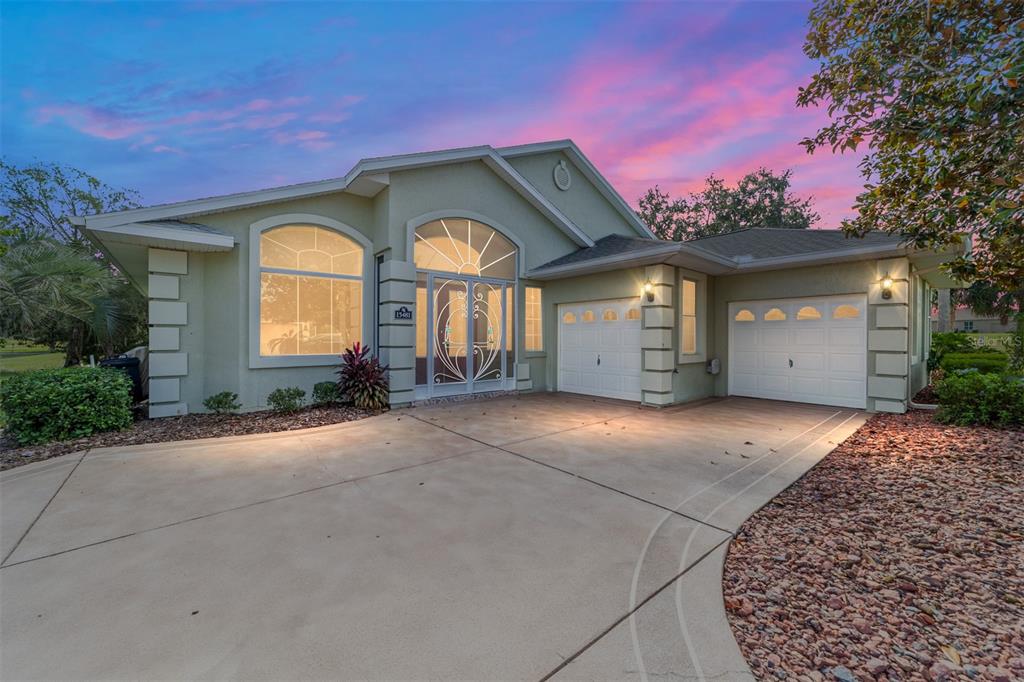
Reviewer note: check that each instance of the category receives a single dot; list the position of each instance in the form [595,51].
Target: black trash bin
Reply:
[130,366]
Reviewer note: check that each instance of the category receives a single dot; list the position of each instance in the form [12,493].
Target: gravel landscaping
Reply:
[188,427]
[900,556]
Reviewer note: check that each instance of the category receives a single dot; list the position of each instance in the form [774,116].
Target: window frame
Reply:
[699,314]
[368,321]
[539,319]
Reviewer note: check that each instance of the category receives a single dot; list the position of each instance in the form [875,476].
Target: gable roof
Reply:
[369,176]
[752,244]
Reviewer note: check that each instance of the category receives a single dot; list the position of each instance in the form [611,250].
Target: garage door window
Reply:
[744,315]
[633,314]
[609,315]
[569,318]
[845,312]
[775,315]
[808,312]
[588,315]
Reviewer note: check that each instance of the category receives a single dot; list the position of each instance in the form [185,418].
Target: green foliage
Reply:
[935,90]
[986,362]
[362,379]
[948,342]
[58,404]
[326,393]
[1014,346]
[760,199]
[286,399]
[985,399]
[224,402]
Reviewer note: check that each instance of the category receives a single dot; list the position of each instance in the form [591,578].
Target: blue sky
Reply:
[180,100]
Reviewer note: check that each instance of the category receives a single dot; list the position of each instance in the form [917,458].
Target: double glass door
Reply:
[463,334]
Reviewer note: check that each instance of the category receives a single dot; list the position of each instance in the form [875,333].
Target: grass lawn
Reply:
[14,363]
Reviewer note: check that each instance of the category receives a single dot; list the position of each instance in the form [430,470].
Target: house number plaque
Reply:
[403,313]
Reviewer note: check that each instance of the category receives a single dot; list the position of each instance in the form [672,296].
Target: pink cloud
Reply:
[90,120]
[164,149]
[313,140]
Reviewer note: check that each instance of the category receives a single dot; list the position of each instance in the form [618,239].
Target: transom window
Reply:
[311,291]
[465,247]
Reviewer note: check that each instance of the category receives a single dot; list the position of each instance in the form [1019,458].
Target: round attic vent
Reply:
[563,180]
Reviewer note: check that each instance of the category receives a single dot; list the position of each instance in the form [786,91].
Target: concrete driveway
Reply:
[514,538]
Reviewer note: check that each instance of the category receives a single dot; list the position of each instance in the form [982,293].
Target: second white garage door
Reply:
[599,348]
[811,350]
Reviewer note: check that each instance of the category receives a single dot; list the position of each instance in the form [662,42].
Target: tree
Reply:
[760,199]
[935,90]
[989,299]
[39,198]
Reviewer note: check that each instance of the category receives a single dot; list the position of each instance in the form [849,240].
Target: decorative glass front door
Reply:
[463,337]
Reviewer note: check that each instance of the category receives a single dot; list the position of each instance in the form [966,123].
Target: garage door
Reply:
[599,348]
[811,350]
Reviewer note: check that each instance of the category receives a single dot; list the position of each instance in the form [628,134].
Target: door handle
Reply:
[598,358]
[791,362]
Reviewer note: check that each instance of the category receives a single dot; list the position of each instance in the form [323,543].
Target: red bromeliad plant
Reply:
[362,379]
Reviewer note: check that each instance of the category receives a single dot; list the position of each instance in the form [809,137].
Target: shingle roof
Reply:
[757,243]
[612,245]
[181,225]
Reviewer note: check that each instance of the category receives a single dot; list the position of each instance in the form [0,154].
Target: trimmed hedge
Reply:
[987,362]
[60,404]
[976,398]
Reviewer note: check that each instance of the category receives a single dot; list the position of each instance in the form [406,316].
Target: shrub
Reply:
[362,379]
[58,404]
[983,362]
[224,402]
[326,393]
[286,399]
[1014,346]
[976,398]
[948,342]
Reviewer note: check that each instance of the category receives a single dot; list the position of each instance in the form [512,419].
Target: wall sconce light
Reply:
[887,287]
[649,291]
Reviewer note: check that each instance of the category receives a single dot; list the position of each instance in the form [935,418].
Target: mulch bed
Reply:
[188,427]
[900,556]
[926,396]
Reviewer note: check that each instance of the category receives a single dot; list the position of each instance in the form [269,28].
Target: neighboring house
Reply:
[966,320]
[519,268]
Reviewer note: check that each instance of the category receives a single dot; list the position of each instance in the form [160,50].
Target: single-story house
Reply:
[511,269]
[966,320]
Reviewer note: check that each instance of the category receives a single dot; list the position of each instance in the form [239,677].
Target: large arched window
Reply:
[465,247]
[310,291]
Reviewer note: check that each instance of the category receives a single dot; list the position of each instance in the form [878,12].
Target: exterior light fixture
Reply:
[649,291]
[887,287]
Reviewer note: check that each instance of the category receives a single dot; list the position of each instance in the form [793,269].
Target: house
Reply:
[511,269]
[966,320]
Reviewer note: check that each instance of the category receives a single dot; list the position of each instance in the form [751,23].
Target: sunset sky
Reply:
[183,100]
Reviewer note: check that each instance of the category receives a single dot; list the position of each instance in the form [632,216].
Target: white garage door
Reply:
[599,348]
[811,350]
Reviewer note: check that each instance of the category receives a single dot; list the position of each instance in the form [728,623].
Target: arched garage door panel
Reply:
[811,350]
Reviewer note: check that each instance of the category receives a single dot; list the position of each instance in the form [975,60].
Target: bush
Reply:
[976,398]
[1014,346]
[286,399]
[362,379]
[224,402]
[986,363]
[949,342]
[59,404]
[326,393]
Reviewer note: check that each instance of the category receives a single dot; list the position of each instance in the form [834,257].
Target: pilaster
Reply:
[167,316]
[657,322]
[397,326]
[888,337]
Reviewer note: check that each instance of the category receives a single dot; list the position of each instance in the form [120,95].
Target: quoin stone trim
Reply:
[167,316]
[888,338]
[658,320]
[397,332]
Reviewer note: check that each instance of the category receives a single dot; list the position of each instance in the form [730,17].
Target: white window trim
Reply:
[256,360]
[700,313]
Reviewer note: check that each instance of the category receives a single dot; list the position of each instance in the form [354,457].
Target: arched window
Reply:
[466,247]
[808,312]
[569,318]
[311,291]
[609,315]
[775,315]
[588,315]
[744,316]
[845,312]
[633,314]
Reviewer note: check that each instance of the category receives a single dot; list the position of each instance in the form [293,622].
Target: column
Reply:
[167,316]
[889,337]
[656,337]
[397,319]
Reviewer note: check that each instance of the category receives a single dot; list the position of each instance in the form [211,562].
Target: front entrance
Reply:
[463,335]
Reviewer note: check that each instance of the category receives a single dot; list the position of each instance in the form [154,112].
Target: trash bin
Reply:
[129,366]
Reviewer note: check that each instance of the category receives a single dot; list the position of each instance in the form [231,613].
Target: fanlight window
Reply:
[466,247]
[609,315]
[744,316]
[633,314]
[588,315]
[808,312]
[845,312]
[775,315]
[569,318]
[311,291]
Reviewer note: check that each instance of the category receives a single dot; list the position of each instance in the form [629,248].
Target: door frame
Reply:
[468,387]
